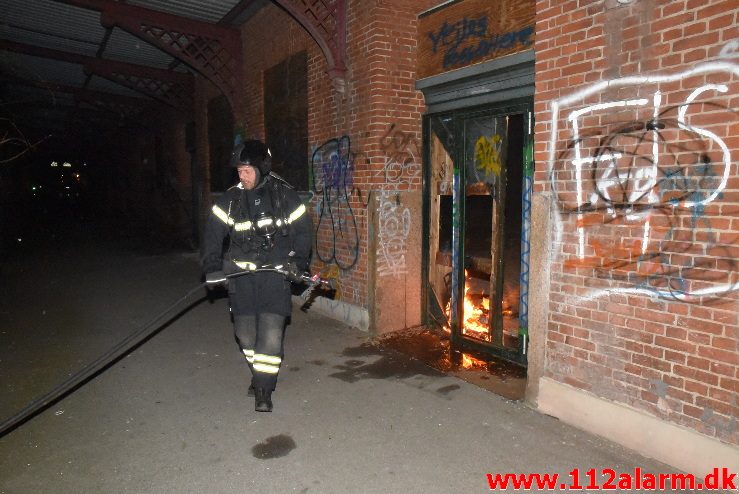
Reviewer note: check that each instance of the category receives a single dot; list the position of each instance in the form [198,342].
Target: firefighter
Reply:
[259,222]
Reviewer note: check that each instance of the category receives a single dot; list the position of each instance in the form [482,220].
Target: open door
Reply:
[478,183]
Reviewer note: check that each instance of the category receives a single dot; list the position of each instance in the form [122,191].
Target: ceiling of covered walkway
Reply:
[71,66]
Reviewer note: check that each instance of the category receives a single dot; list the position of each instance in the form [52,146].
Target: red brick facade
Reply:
[643,296]
[376,106]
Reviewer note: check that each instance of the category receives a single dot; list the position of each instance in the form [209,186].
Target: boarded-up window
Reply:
[462,33]
[286,118]
[220,132]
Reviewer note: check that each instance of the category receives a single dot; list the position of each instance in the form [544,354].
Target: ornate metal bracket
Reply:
[325,20]
[213,50]
[172,88]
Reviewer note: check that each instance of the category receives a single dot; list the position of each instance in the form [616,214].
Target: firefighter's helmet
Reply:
[254,153]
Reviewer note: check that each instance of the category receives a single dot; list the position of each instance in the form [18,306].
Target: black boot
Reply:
[262,400]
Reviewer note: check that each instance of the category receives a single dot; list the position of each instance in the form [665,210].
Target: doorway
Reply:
[477,187]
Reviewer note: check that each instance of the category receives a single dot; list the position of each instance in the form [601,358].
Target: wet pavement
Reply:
[432,347]
[351,414]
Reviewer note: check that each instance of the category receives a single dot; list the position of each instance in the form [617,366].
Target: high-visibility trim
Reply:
[268,364]
[267,359]
[266,368]
[245,265]
[222,215]
[300,211]
[249,354]
[243,226]
[264,222]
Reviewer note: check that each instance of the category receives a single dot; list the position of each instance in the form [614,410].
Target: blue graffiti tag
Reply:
[332,170]
[451,36]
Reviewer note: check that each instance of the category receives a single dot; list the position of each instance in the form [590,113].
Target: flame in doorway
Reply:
[471,363]
[476,314]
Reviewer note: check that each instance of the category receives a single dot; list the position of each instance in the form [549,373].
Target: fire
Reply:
[475,317]
[470,362]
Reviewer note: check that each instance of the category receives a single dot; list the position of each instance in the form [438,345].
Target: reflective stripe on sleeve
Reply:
[222,215]
[300,211]
[249,354]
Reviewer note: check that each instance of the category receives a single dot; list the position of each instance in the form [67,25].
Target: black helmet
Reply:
[254,153]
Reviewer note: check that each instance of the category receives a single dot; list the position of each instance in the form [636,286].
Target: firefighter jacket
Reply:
[248,229]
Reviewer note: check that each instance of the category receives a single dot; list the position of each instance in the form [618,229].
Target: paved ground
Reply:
[173,416]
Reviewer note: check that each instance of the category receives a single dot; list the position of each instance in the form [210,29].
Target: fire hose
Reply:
[131,341]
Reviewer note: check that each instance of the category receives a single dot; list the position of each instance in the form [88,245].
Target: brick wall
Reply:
[377,109]
[637,146]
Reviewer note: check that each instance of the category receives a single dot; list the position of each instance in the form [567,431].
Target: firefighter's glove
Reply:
[216,279]
[293,273]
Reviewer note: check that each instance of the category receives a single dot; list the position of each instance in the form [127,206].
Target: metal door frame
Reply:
[522,106]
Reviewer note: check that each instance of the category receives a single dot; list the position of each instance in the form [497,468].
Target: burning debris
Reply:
[477,313]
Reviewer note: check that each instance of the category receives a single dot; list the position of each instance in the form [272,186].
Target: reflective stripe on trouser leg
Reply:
[268,350]
[268,364]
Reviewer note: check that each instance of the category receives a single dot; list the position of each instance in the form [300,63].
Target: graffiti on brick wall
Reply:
[730,49]
[332,172]
[394,225]
[480,43]
[402,166]
[641,199]
[402,158]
